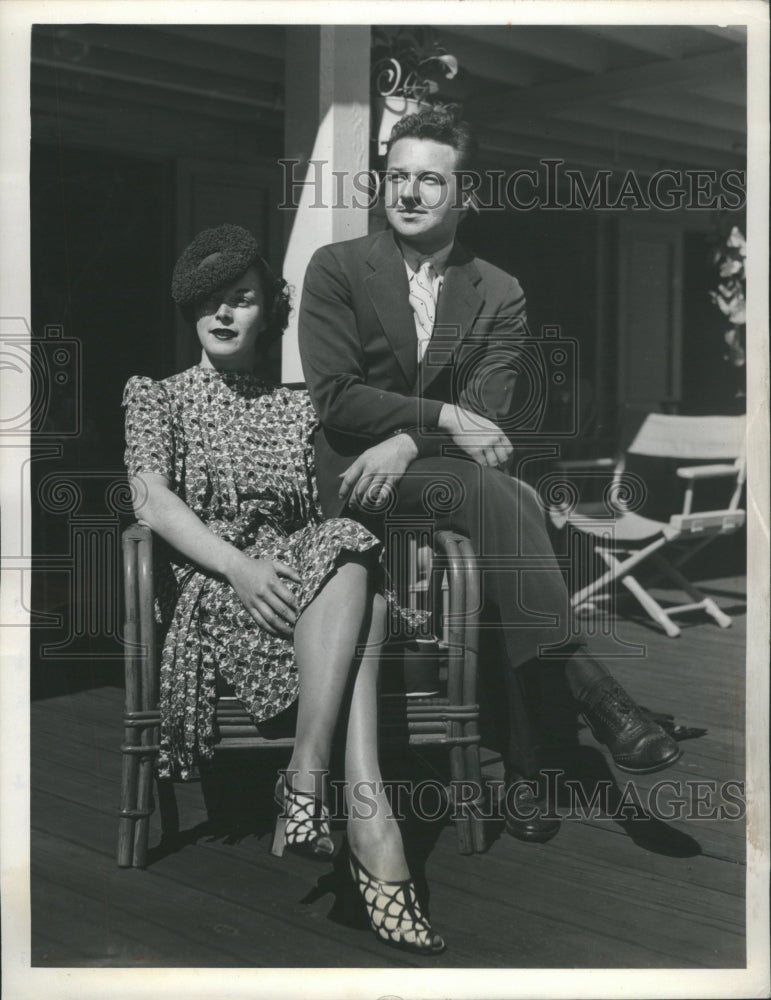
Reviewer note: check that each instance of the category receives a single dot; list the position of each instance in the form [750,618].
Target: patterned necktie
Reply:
[423,302]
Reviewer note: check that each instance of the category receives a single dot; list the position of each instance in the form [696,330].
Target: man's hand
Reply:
[258,585]
[479,437]
[368,482]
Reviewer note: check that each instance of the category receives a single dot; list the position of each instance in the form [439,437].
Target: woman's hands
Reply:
[257,582]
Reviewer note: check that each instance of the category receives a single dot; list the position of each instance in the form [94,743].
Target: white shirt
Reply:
[413,259]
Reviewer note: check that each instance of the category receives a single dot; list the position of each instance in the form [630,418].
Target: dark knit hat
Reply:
[214,258]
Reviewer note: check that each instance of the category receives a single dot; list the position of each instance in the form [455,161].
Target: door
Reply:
[649,315]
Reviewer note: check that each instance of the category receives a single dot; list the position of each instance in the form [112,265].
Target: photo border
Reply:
[20,980]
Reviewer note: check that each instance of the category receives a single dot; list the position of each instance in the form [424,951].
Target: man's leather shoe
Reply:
[527,814]
[636,743]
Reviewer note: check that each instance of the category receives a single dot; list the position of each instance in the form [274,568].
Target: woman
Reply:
[266,594]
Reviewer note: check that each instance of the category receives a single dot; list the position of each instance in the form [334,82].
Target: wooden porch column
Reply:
[327,128]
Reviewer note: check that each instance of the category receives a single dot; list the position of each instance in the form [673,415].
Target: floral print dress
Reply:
[238,451]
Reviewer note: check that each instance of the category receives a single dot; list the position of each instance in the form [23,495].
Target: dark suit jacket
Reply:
[359,349]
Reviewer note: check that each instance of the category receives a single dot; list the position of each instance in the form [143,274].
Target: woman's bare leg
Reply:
[378,864]
[326,637]
[326,653]
[344,617]
[373,833]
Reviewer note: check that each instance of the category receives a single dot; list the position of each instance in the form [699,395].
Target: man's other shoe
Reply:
[528,816]
[637,743]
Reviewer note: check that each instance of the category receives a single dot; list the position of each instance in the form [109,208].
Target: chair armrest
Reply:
[456,556]
[692,472]
[577,464]
[708,522]
[139,531]
[139,623]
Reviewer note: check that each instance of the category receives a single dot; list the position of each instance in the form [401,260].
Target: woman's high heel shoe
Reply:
[394,912]
[303,823]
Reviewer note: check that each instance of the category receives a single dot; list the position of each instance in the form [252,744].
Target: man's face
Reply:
[421,192]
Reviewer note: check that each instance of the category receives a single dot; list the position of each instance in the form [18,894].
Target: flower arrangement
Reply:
[405,63]
[730,295]
[406,67]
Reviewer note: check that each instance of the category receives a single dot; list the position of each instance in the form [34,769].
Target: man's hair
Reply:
[441,125]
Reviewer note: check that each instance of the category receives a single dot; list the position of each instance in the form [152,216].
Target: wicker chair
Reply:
[451,720]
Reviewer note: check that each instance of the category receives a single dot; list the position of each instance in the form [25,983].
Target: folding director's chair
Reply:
[625,540]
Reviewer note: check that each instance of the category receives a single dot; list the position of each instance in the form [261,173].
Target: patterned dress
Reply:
[238,451]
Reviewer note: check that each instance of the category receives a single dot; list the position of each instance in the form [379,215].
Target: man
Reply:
[409,346]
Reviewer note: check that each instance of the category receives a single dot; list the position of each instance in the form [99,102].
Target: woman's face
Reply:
[230,321]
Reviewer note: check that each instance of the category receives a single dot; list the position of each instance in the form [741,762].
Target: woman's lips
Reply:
[222,334]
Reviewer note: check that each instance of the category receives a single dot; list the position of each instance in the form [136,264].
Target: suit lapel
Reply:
[388,289]
[459,303]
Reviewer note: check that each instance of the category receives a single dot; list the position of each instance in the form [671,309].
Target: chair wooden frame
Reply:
[450,721]
[627,539]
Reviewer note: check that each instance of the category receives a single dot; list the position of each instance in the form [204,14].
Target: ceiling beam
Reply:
[257,39]
[731,32]
[528,151]
[172,86]
[145,42]
[614,147]
[153,73]
[151,133]
[118,97]
[490,63]
[553,44]
[654,40]
[725,90]
[688,108]
[657,126]
[556,97]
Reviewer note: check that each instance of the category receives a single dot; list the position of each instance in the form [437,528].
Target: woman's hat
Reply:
[214,258]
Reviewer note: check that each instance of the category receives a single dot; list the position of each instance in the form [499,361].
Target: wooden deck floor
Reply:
[648,894]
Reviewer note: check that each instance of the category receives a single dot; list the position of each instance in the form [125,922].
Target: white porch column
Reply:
[327,128]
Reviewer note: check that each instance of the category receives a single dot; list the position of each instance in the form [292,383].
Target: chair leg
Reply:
[651,605]
[654,609]
[616,569]
[167,807]
[461,813]
[719,616]
[128,800]
[476,808]
[472,610]
[136,803]
[711,608]
[144,809]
